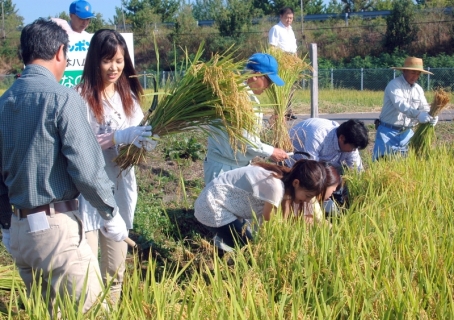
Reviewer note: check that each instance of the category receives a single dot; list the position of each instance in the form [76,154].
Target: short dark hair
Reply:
[41,39]
[286,10]
[355,133]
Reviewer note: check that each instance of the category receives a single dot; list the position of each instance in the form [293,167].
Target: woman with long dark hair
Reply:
[254,192]
[112,93]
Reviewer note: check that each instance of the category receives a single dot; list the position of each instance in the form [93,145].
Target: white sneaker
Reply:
[221,245]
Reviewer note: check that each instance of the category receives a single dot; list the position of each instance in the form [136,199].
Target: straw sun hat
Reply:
[412,63]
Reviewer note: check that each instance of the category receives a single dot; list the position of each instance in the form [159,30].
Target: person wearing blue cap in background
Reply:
[220,155]
[80,14]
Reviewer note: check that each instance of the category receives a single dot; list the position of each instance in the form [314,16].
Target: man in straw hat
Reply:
[404,106]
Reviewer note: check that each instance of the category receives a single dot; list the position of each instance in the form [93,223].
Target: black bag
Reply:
[376,123]
[340,196]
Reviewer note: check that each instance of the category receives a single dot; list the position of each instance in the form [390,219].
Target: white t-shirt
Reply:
[238,193]
[282,37]
[125,191]
[67,26]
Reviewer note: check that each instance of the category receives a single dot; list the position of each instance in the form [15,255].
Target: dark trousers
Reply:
[234,232]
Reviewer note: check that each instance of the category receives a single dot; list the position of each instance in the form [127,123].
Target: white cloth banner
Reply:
[77,51]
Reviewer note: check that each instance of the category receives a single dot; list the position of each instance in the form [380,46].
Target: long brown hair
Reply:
[332,177]
[310,173]
[104,45]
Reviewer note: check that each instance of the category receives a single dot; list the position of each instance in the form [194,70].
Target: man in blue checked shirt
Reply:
[48,155]
[326,140]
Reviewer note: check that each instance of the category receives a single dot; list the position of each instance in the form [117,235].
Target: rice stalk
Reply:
[9,276]
[208,93]
[291,69]
[424,136]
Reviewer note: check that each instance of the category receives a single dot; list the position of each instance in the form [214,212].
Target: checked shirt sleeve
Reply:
[85,160]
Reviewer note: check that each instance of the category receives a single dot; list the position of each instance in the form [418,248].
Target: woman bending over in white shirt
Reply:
[254,192]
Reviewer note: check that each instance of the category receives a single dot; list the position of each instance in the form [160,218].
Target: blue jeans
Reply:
[391,141]
[234,232]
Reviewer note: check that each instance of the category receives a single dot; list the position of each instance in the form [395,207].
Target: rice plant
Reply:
[389,257]
[281,98]
[208,93]
[424,136]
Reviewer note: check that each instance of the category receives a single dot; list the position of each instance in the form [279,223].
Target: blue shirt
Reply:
[48,152]
[318,137]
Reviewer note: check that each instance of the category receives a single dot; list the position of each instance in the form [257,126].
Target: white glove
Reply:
[115,228]
[424,117]
[149,144]
[5,239]
[132,135]
[433,121]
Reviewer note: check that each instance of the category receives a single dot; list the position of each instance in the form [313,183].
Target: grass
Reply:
[389,257]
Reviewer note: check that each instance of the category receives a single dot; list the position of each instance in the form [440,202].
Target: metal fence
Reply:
[377,79]
[353,79]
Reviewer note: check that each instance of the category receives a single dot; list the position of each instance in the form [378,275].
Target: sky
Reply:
[33,9]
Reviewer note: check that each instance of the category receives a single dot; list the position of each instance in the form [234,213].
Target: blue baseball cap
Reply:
[266,64]
[82,9]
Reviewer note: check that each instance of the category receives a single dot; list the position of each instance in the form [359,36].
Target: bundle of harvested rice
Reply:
[424,136]
[208,93]
[291,69]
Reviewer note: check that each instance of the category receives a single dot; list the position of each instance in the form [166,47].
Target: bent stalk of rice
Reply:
[424,136]
[208,93]
[291,69]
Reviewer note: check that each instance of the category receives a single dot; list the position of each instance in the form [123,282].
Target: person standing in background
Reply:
[48,156]
[80,15]
[282,36]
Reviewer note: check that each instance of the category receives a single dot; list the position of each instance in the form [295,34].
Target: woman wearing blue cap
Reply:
[220,155]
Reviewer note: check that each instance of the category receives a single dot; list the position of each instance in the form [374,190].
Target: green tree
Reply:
[9,8]
[10,20]
[401,29]
[357,5]
[334,6]
[384,5]
[185,24]
[235,18]
[10,27]
[266,7]
[96,23]
[119,19]
[435,3]
[64,16]
[206,9]
[313,7]
[166,9]
[141,15]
